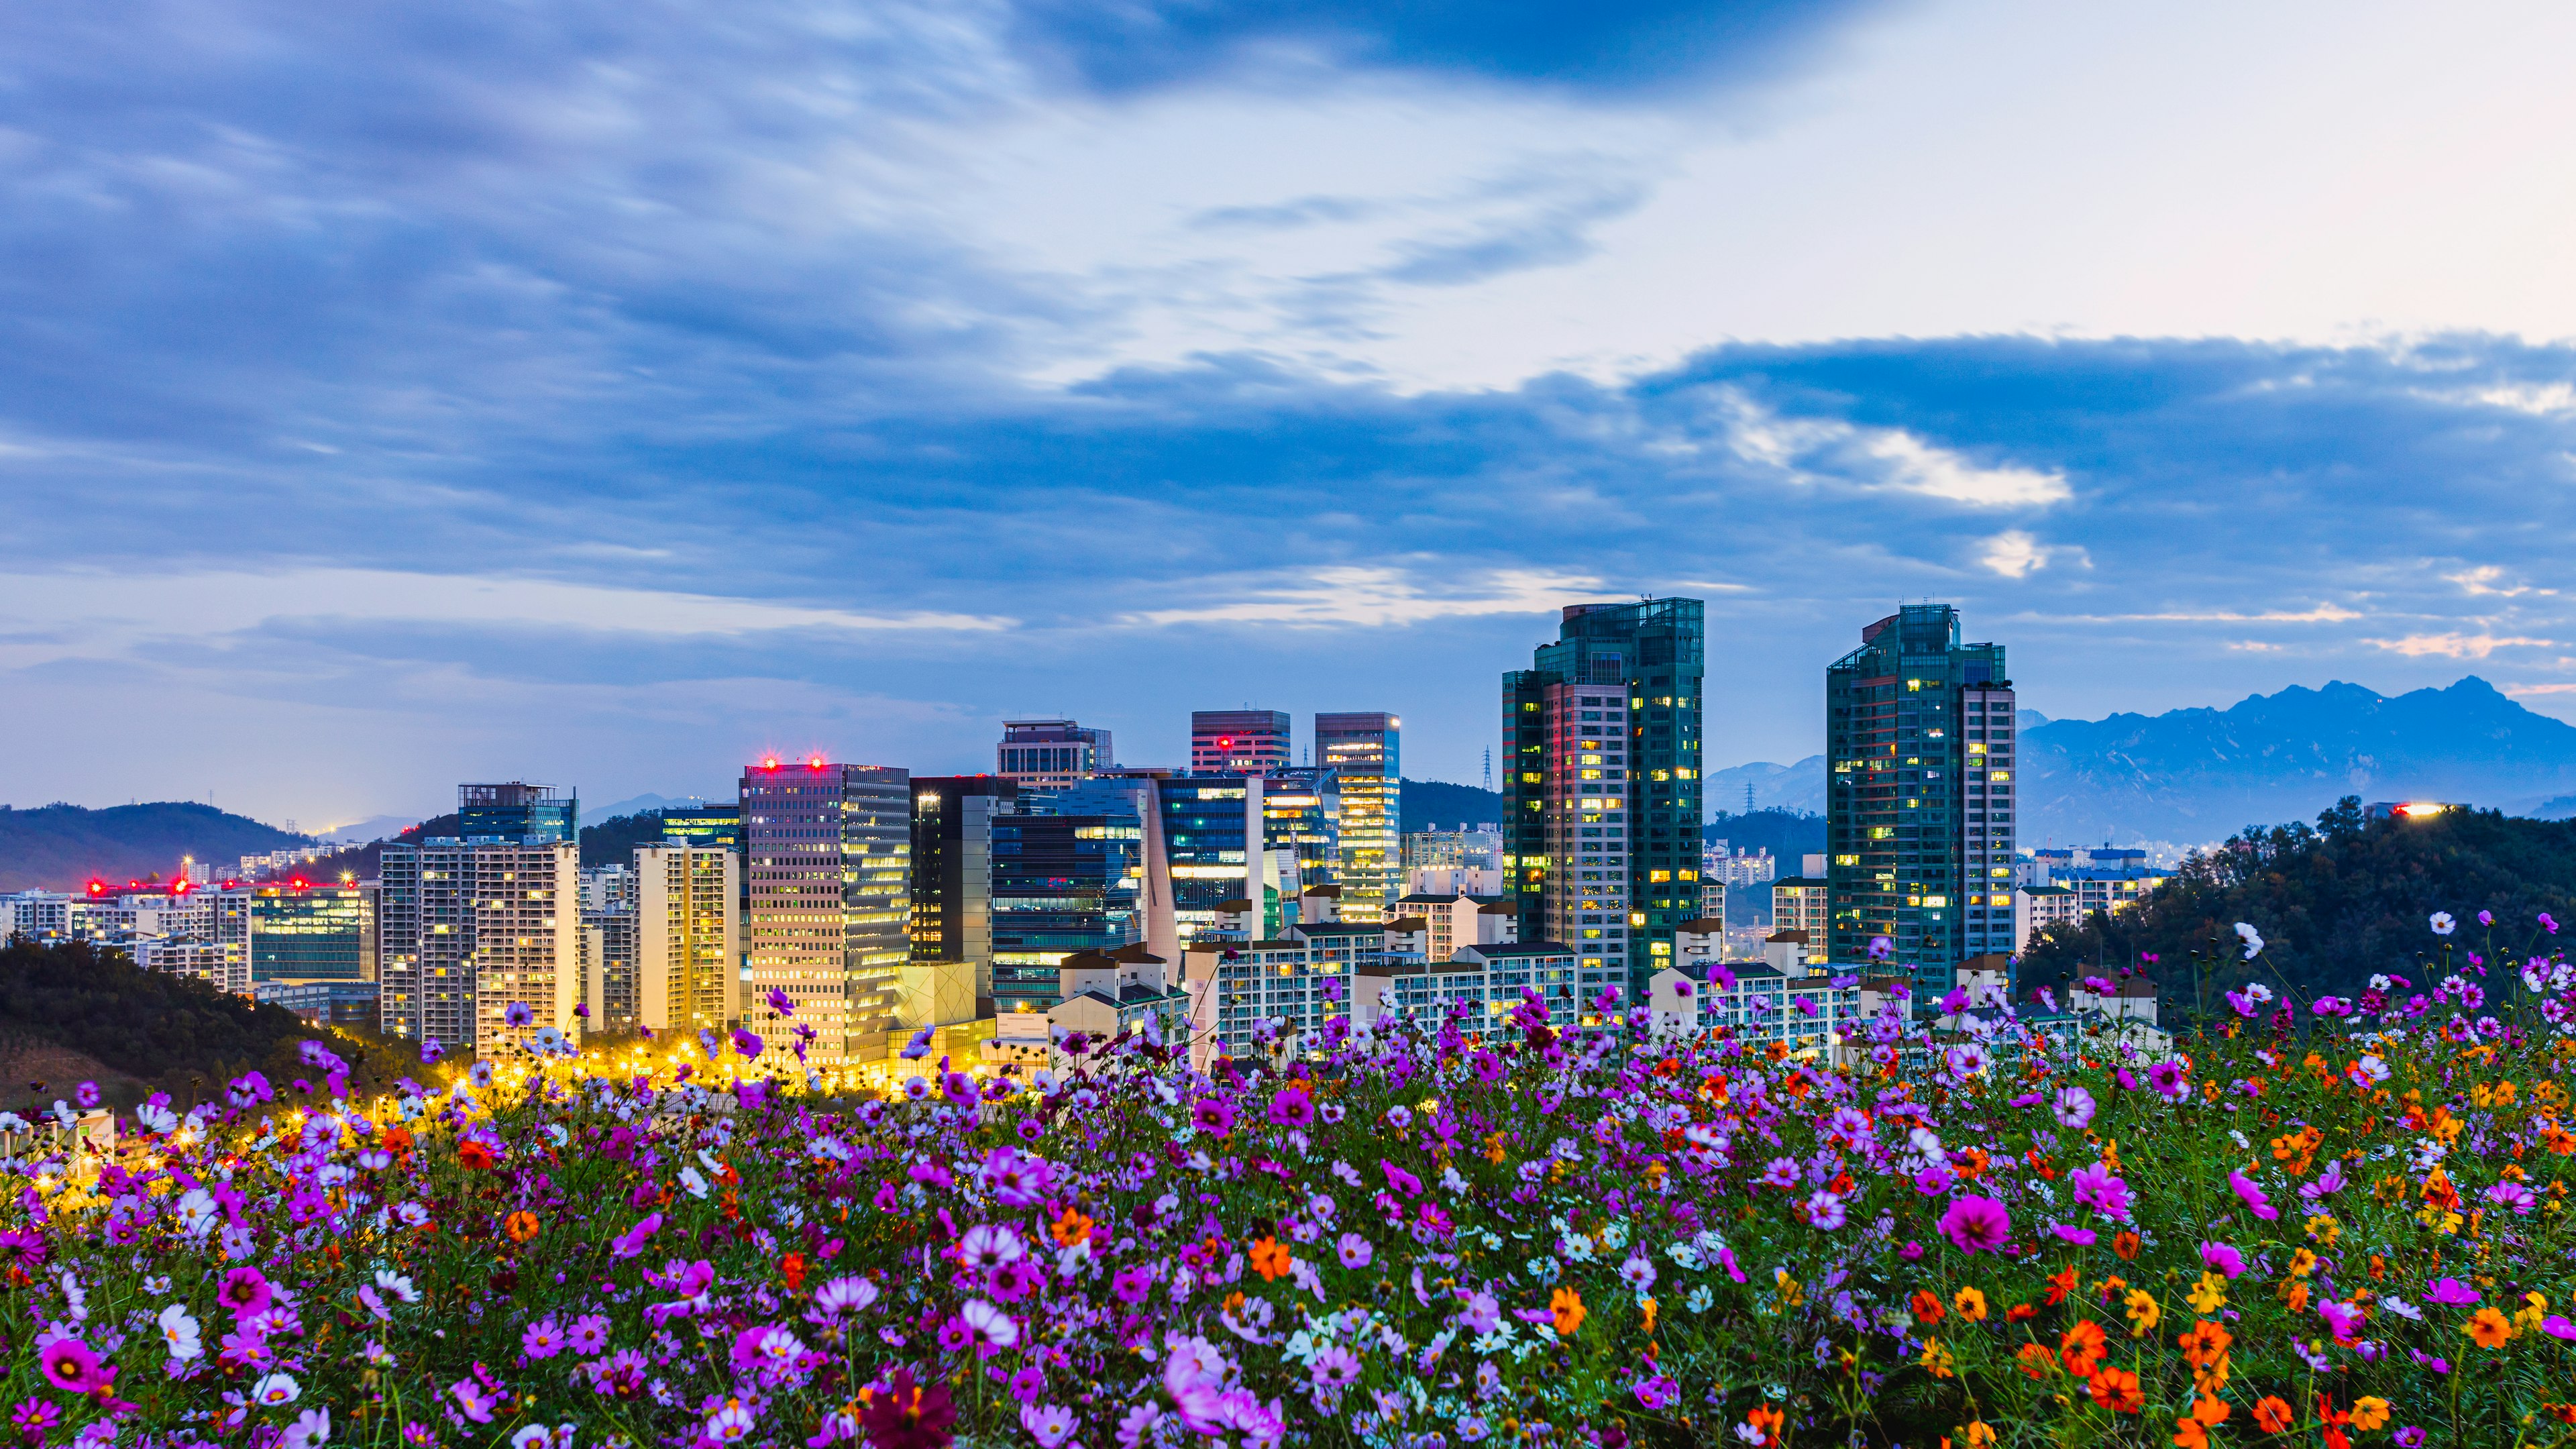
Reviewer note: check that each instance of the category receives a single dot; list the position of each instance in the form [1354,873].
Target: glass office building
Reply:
[1364,754]
[1061,884]
[518,811]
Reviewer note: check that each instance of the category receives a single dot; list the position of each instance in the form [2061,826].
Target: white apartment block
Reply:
[470,928]
[688,938]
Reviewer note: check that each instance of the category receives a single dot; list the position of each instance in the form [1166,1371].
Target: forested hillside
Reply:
[2335,903]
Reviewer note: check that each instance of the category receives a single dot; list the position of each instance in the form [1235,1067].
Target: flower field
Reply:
[2340,1224]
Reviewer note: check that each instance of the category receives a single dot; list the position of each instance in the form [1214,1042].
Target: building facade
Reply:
[1364,753]
[472,927]
[518,811]
[1602,785]
[953,817]
[684,967]
[611,981]
[1919,816]
[829,902]
[1051,754]
[1240,742]
[1063,885]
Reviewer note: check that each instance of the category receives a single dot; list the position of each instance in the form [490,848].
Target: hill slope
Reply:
[60,847]
[2335,903]
[1438,805]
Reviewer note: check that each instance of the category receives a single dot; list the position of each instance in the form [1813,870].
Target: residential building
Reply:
[518,811]
[612,985]
[1919,814]
[1799,903]
[1743,868]
[1806,1016]
[1104,995]
[1456,880]
[2132,999]
[607,888]
[1474,847]
[1051,754]
[2038,907]
[953,818]
[214,962]
[1239,741]
[36,915]
[828,870]
[470,927]
[1485,982]
[683,969]
[1364,753]
[1292,985]
[1457,919]
[1062,885]
[1602,739]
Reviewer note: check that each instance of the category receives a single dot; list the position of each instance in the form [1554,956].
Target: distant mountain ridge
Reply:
[62,847]
[2190,776]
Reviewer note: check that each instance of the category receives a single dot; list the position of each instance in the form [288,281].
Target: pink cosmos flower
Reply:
[1976,1224]
[2252,1195]
[69,1366]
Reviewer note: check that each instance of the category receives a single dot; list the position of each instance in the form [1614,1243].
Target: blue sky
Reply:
[400,394]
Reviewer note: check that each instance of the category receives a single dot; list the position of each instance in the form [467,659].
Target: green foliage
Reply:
[2335,903]
[612,841]
[1439,805]
[1787,834]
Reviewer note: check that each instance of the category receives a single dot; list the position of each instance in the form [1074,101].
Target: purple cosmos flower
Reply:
[2097,1188]
[2074,1108]
[1291,1107]
[2223,1260]
[244,1291]
[2167,1079]
[630,1243]
[1825,1211]
[1354,1251]
[1213,1116]
[1130,1285]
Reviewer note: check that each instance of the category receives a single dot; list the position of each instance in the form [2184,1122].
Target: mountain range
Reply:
[59,847]
[2190,776]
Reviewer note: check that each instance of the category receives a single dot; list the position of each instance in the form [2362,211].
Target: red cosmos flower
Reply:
[475,1155]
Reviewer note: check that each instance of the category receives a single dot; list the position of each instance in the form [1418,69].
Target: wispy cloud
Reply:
[1376,597]
[2457,645]
[1815,451]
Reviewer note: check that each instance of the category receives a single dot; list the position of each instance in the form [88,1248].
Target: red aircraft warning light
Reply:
[815,763]
[769,764]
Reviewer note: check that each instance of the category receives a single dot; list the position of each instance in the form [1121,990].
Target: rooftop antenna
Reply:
[1489,767]
[1748,797]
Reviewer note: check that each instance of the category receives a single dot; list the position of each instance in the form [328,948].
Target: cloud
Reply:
[1812,451]
[2457,645]
[1380,598]
[83,611]
[2013,554]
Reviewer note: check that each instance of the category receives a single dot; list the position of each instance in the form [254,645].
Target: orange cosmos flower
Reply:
[2204,1343]
[2036,1360]
[1927,1308]
[2083,1348]
[2273,1415]
[791,1268]
[1568,1307]
[2490,1328]
[1270,1259]
[521,1226]
[1765,1422]
[1071,1229]
[1972,1305]
[2117,1390]
[2127,1245]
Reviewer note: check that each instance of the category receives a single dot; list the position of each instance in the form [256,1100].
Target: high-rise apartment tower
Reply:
[1919,796]
[1601,739]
